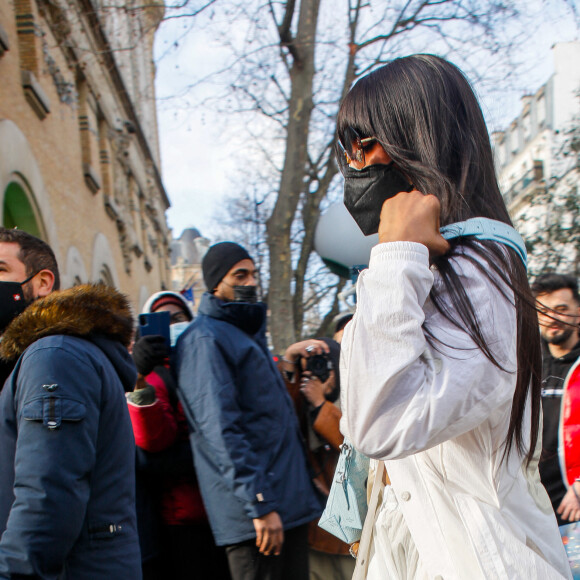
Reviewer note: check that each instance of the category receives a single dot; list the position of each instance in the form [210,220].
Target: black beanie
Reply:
[219,260]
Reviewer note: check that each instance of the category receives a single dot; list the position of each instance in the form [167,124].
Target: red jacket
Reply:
[569,449]
[157,427]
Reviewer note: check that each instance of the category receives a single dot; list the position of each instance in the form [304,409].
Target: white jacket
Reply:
[439,419]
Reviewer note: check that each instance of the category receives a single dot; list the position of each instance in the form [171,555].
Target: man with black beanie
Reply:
[247,448]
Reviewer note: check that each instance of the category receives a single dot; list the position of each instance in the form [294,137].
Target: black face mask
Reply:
[12,301]
[245,294]
[366,189]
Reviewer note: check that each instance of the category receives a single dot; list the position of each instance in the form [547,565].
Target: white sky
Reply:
[198,151]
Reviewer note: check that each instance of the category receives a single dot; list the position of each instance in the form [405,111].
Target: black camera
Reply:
[320,366]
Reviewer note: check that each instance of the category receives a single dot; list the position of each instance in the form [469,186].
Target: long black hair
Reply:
[424,113]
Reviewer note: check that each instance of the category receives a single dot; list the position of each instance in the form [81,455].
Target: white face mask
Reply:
[175,331]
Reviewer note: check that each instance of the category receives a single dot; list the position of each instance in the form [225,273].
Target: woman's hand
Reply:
[413,217]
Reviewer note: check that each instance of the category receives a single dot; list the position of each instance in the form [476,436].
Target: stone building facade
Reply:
[538,166]
[79,152]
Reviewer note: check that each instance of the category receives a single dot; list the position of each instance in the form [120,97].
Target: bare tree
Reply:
[293,62]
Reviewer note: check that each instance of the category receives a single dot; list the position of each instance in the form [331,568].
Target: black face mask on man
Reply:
[366,189]
[245,294]
[12,301]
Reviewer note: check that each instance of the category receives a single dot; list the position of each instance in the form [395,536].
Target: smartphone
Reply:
[155,323]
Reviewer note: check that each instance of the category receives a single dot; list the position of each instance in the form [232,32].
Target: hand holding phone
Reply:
[155,323]
[152,348]
[148,352]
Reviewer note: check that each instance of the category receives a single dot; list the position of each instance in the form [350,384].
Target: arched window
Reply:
[18,211]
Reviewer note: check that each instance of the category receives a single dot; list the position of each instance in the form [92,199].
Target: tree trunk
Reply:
[279,224]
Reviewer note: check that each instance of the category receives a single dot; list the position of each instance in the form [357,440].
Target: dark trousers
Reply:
[188,553]
[246,563]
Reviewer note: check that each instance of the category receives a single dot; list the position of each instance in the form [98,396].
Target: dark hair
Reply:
[548,283]
[342,321]
[424,113]
[35,254]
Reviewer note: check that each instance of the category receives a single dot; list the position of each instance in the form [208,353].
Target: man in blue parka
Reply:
[67,484]
[246,443]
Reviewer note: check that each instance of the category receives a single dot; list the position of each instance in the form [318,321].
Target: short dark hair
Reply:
[548,283]
[35,254]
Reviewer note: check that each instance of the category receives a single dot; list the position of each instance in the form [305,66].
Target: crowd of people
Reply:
[197,453]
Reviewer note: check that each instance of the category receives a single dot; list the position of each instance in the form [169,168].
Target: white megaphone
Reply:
[340,243]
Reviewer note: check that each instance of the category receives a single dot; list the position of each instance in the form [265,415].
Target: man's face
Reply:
[559,315]
[13,270]
[243,273]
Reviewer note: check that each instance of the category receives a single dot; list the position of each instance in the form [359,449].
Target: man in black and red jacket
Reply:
[559,315]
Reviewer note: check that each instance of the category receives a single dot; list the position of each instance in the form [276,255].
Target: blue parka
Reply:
[245,437]
[67,483]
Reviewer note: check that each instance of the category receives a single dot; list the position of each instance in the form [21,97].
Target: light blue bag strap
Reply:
[487,229]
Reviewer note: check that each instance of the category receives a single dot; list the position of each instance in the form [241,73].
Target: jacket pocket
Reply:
[52,411]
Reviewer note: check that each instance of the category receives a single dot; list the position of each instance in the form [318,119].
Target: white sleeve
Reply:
[399,394]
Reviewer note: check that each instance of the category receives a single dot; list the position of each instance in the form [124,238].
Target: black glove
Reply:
[148,352]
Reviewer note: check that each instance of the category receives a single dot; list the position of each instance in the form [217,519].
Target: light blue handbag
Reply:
[488,229]
[346,508]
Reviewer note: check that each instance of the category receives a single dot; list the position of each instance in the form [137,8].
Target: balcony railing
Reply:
[531,182]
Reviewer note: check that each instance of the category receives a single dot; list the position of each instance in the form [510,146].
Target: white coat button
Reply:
[405,496]
[438,577]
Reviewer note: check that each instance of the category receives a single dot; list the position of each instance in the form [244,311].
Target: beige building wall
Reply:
[77,166]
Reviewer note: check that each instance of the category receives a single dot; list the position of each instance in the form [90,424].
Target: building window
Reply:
[527,127]
[88,126]
[30,55]
[541,111]
[18,211]
[514,138]
[105,156]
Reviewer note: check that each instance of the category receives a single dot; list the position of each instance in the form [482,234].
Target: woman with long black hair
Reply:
[441,362]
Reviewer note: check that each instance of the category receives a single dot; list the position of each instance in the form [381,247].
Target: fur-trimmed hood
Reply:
[90,310]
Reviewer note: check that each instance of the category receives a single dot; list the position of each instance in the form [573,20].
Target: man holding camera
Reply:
[249,458]
[311,371]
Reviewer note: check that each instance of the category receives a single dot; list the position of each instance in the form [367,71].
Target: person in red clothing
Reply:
[185,546]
